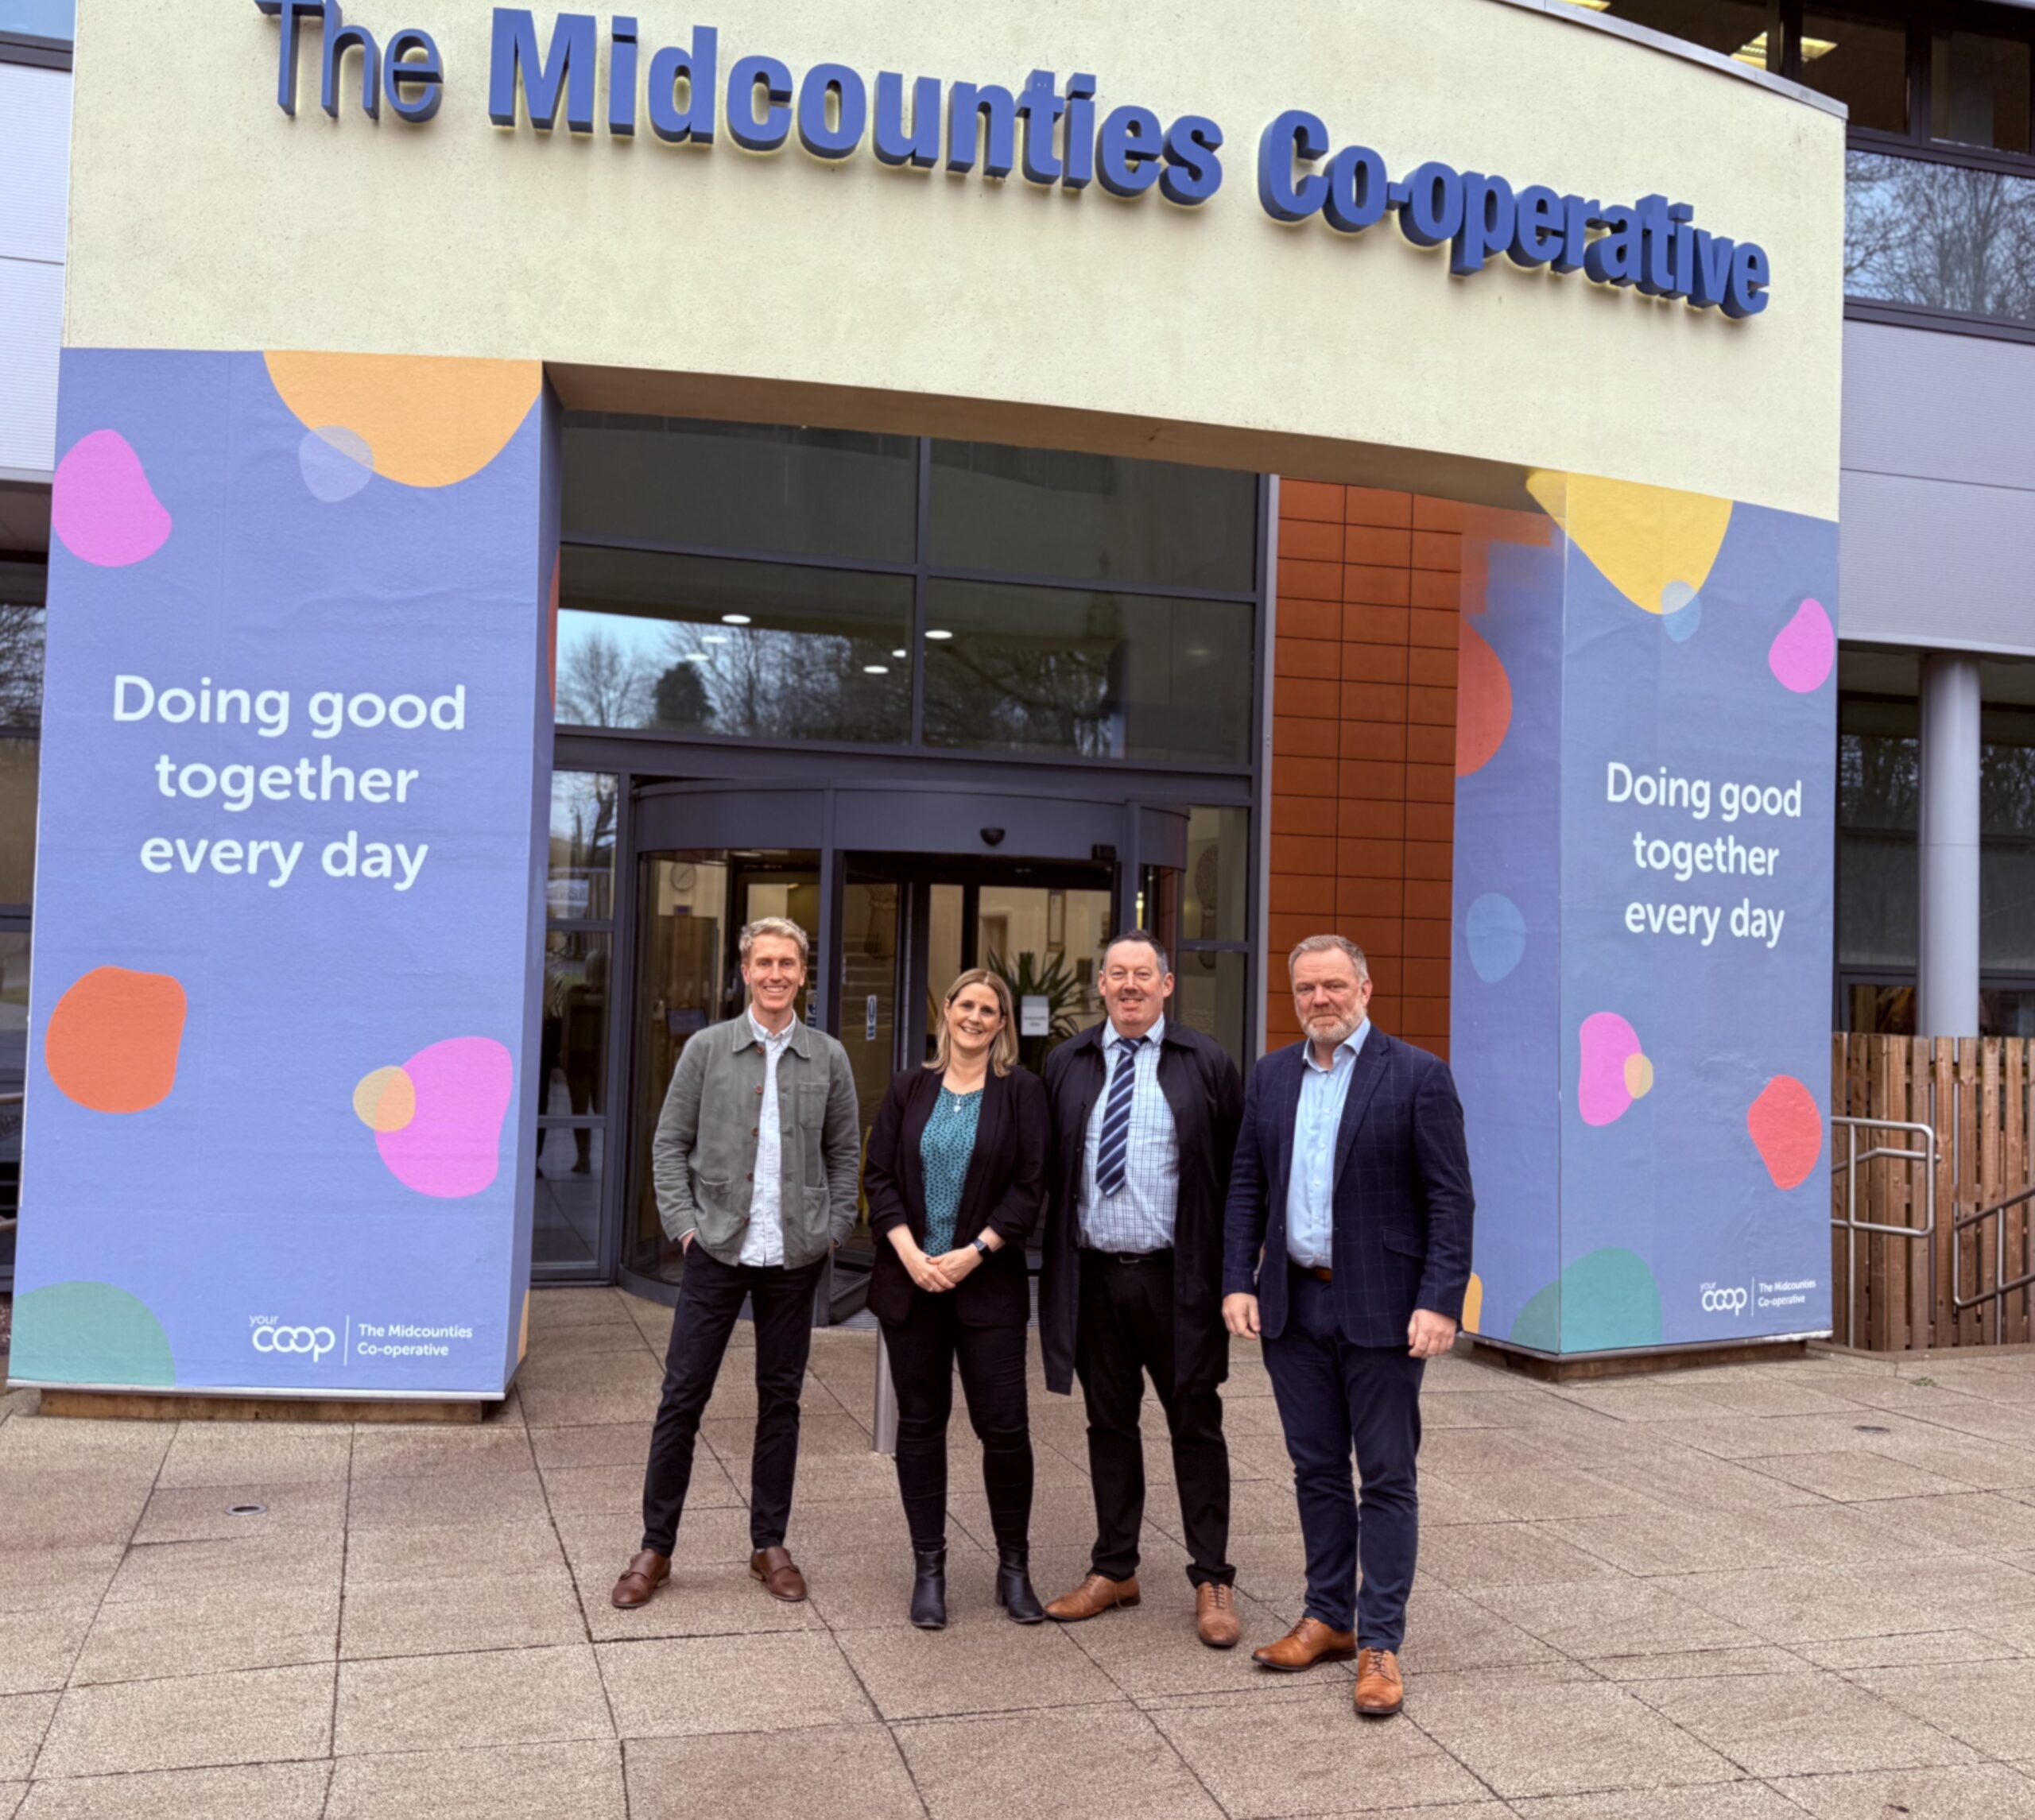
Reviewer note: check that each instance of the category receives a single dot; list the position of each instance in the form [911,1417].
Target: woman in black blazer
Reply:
[956,1180]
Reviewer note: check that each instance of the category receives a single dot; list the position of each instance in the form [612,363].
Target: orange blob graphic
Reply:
[1786,1129]
[425,421]
[112,1043]
[1638,1076]
[1483,702]
[386,1099]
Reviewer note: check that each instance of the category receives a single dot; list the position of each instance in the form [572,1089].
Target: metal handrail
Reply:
[1852,1225]
[2001,1288]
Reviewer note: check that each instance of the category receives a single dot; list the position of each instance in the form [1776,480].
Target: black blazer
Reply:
[1003,1193]
[1205,1096]
[1402,1203]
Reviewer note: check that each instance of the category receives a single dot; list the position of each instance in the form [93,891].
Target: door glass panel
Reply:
[869,909]
[1218,871]
[1045,953]
[14,1068]
[581,882]
[1209,992]
[945,931]
[574,1057]
[692,906]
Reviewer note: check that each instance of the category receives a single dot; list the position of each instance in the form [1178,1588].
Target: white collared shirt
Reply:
[764,1242]
[1139,1216]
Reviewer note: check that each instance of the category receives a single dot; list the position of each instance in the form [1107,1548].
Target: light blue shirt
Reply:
[1139,1216]
[764,1242]
[1311,1188]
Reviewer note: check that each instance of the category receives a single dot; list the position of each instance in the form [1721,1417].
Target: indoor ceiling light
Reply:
[734,619]
[694,658]
[876,669]
[935,632]
[713,638]
[900,653]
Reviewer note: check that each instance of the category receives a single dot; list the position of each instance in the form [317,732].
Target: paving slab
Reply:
[1991,1790]
[1813,1723]
[251,1791]
[275,1625]
[37,1648]
[678,1686]
[24,1723]
[1074,1763]
[514,1782]
[1745,1800]
[262,1715]
[845,1773]
[1986,1704]
[433,1617]
[986,1665]
[493,1697]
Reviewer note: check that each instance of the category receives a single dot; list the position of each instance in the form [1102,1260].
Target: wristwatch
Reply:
[983,1247]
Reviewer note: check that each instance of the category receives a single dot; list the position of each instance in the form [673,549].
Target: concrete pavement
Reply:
[1752,1593]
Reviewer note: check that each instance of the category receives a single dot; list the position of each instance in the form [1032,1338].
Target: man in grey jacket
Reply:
[755,1162]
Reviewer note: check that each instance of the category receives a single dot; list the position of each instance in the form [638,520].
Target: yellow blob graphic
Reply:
[1473,1305]
[386,1099]
[426,421]
[1641,538]
[1638,1076]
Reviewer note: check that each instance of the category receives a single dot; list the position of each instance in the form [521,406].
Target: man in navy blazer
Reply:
[1347,1247]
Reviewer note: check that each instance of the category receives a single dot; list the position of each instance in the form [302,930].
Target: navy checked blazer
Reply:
[1402,1200]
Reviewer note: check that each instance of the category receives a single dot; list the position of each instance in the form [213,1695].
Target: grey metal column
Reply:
[1948,850]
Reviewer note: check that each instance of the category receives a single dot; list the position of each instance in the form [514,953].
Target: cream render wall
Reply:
[202,217]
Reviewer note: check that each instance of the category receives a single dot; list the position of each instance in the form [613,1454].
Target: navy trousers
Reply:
[1335,1399]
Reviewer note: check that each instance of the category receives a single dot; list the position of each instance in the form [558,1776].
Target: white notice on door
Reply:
[1035,1015]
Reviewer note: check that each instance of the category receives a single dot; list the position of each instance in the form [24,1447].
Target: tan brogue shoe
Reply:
[1380,1691]
[1215,1616]
[645,1572]
[1094,1595]
[779,1573]
[1309,1642]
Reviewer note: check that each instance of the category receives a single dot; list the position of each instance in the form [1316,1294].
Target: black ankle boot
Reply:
[1014,1584]
[929,1585]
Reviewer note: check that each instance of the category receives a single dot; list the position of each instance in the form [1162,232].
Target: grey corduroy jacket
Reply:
[703,1158]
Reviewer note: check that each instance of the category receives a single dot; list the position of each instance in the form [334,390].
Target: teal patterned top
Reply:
[945,1148]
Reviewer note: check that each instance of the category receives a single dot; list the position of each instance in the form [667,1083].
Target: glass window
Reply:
[581,884]
[1094,675]
[1049,511]
[20,767]
[1861,61]
[23,586]
[741,486]
[753,650]
[1879,796]
[1217,875]
[1749,33]
[1978,90]
[573,1067]
[2006,861]
[1209,993]
[13,1070]
[1944,236]
[40,18]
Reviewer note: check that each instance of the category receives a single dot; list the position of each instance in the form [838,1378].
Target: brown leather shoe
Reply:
[781,1576]
[1309,1642]
[1216,1616]
[1380,1691]
[646,1572]
[1094,1595]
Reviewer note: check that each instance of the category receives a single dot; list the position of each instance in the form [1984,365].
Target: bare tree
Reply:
[602,683]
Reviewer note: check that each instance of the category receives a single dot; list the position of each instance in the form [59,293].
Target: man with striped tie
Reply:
[1145,1117]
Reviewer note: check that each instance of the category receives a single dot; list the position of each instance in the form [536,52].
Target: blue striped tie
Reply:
[1112,1147]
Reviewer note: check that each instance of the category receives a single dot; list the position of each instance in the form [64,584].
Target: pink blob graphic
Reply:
[1601,1095]
[1805,650]
[452,1146]
[102,507]
[1786,1128]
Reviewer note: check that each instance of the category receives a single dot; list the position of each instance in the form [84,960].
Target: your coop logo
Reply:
[267,1335]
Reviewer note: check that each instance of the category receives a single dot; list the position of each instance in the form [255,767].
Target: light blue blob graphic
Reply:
[1681,611]
[1496,933]
[337,463]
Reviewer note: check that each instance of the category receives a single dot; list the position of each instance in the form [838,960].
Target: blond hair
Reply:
[781,927]
[1003,1051]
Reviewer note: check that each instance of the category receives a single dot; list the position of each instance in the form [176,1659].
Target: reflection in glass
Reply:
[566,1208]
[1880,1008]
[1978,90]
[581,882]
[1218,866]
[691,905]
[1209,992]
[1043,943]
[572,1062]
[23,588]
[1861,61]
[1096,675]
[14,1070]
[1749,30]
[1879,796]
[747,650]
[770,487]
[20,766]
[1051,512]
[1942,236]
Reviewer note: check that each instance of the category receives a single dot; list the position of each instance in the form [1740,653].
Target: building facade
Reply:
[971,511]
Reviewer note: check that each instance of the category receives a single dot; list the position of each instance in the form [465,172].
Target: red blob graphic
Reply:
[1483,702]
[1787,1130]
[112,1042]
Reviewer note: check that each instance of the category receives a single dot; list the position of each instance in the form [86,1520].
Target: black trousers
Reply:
[710,1297]
[1336,1400]
[1124,1332]
[924,1348]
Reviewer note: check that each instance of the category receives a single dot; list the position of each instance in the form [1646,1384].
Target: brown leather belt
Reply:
[1320,1272]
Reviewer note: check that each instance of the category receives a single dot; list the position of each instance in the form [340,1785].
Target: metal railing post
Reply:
[1852,1225]
[883,1419]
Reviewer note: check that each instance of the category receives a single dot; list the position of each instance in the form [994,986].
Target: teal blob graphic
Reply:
[89,1334]
[1605,1300]
[1681,611]
[1495,932]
